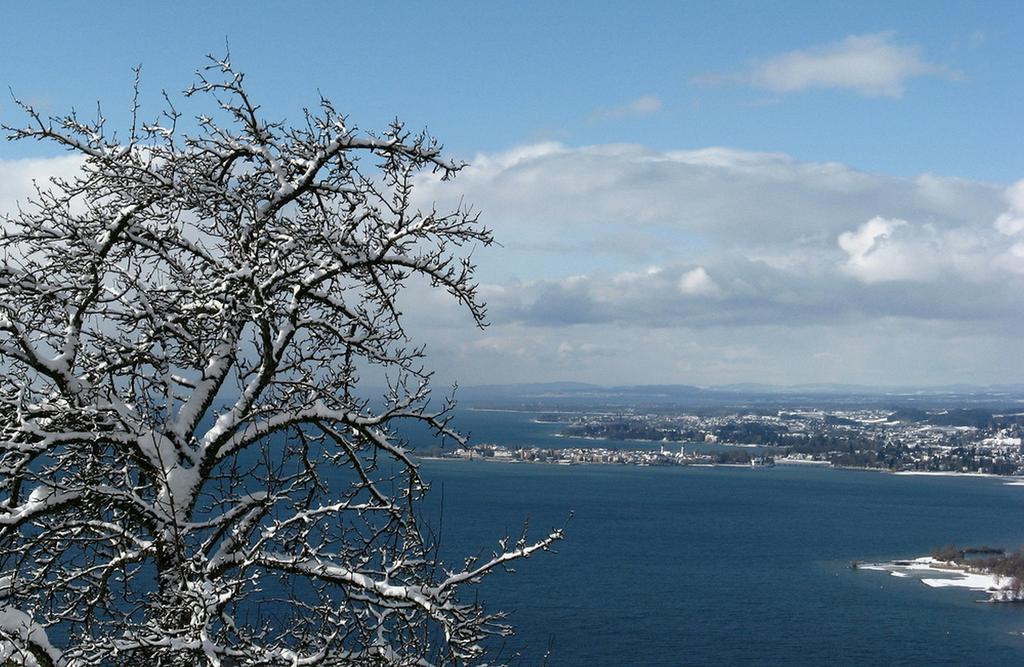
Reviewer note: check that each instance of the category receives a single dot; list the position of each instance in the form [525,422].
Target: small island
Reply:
[994,571]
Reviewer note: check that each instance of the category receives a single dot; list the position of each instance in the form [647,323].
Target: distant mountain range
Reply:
[577,393]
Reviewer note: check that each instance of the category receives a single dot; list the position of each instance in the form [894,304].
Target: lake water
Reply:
[673,566]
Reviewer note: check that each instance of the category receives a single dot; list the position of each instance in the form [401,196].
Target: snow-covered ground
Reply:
[971,580]
[999,588]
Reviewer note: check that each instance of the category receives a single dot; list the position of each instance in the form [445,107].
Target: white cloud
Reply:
[872,258]
[614,234]
[883,250]
[859,243]
[1013,258]
[559,210]
[645,105]
[618,257]
[873,65]
[1011,222]
[18,177]
[697,282]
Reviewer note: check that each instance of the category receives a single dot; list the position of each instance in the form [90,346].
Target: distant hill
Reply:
[912,401]
[976,417]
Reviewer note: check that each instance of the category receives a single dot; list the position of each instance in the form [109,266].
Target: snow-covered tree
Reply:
[188,473]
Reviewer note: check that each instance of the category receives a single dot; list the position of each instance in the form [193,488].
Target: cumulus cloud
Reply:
[719,237]
[873,65]
[625,199]
[645,105]
[871,258]
[627,264]
[697,282]
[19,177]
[747,293]
[883,250]
[1011,222]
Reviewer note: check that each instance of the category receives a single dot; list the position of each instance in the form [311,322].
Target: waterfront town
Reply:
[907,440]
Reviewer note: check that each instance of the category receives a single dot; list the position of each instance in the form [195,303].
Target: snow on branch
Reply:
[183,434]
[24,641]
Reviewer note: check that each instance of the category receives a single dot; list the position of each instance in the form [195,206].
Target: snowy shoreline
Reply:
[946,473]
[782,461]
[999,588]
[787,461]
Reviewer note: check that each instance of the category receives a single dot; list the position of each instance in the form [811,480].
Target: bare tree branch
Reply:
[188,470]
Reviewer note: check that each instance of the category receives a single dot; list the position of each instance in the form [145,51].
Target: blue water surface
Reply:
[679,566]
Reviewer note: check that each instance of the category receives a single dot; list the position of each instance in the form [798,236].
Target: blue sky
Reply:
[486,76]
[790,193]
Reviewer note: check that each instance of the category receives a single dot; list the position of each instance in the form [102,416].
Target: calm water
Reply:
[671,566]
[518,429]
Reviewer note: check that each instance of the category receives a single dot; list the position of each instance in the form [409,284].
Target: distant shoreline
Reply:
[621,464]
[1012,480]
